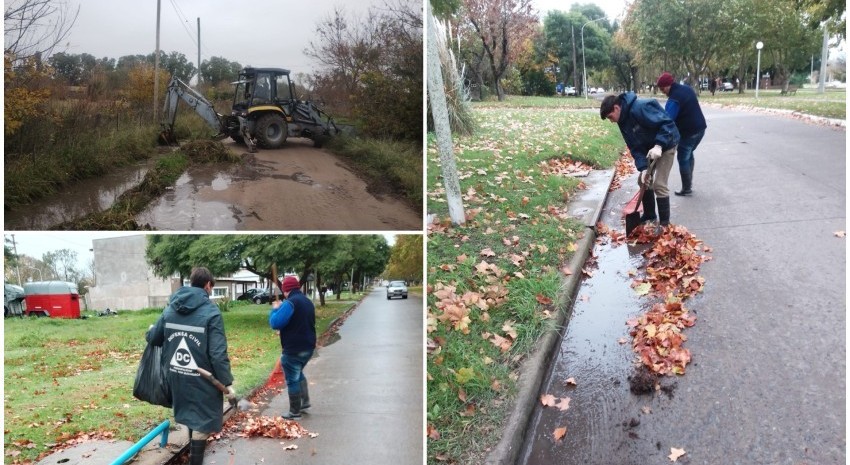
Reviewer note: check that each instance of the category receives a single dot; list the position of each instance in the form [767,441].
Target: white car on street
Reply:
[396,289]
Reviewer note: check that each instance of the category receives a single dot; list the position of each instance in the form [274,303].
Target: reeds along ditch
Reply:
[121,215]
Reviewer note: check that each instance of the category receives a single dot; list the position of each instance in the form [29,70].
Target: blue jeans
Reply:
[687,145]
[293,369]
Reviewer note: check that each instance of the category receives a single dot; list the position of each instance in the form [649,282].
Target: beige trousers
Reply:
[661,171]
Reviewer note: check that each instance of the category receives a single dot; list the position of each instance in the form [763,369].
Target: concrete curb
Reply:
[534,368]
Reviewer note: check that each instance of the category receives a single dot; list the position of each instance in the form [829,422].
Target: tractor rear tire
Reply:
[271,131]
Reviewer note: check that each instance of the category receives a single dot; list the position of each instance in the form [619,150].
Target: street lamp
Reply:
[759,46]
[583,65]
[40,276]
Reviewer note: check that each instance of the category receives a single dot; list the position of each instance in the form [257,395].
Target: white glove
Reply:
[231,395]
[654,153]
[643,177]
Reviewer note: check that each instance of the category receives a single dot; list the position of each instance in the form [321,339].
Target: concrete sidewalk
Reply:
[366,391]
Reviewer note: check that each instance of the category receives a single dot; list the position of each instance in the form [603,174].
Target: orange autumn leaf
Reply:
[559,433]
[675,454]
[543,300]
[564,404]
[548,400]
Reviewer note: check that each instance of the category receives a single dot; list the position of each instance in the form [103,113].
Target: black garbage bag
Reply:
[151,385]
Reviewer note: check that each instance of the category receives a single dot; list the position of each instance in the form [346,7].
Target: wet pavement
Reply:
[366,393]
[767,380]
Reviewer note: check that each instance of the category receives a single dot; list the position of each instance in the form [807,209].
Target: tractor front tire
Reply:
[271,131]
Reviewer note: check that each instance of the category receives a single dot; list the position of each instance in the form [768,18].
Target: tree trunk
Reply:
[440,112]
[319,289]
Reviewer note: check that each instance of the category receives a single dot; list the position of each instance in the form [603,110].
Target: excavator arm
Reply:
[179,90]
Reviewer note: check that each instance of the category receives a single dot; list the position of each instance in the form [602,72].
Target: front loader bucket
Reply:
[167,137]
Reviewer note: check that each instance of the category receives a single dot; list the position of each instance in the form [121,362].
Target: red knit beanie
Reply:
[666,79]
[290,283]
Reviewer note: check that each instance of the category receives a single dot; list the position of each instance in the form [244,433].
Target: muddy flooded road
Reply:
[78,200]
[295,188]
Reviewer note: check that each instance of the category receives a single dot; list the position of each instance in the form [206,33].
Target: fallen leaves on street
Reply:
[675,454]
[272,427]
[658,338]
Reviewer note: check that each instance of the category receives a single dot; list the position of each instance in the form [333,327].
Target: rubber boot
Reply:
[305,395]
[664,210]
[196,451]
[686,183]
[294,407]
[648,202]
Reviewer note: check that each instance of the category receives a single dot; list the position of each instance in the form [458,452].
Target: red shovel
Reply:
[633,208]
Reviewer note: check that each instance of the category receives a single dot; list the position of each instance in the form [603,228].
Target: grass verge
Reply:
[492,282]
[65,377]
[389,166]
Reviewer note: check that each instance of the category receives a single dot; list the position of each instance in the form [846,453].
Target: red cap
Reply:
[666,79]
[290,283]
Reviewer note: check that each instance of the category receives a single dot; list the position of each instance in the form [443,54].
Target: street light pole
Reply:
[583,65]
[759,46]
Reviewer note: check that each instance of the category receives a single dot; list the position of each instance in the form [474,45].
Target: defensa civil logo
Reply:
[182,361]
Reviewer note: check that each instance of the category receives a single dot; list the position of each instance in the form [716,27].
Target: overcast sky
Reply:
[271,33]
[614,9]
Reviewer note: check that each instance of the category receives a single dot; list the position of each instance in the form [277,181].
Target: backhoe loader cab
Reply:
[265,105]
[265,111]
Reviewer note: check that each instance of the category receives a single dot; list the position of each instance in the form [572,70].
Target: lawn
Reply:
[831,104]
[63,378]
[494,282]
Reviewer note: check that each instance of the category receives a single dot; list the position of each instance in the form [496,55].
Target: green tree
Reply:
[63,264]
[217,70]
[169,254]
[406,259]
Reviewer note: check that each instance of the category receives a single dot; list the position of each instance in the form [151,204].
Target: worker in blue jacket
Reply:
[683,108]
[651,136]
[295,318]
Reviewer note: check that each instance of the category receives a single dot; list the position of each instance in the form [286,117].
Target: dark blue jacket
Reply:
[644,124]
[683,108]
[296,321]
[191,333]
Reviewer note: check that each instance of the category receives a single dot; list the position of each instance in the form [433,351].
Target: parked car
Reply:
[727,86]
[395,289]
[262,297]
[570,90]
[249,294]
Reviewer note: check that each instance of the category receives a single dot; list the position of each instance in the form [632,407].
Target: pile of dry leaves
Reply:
[658,338]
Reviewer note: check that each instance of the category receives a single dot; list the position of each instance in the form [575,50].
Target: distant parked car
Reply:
[727,86]
[249,294]
[262,297]
[570,90]
[396,289]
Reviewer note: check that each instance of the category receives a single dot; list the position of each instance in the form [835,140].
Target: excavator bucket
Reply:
[167,137]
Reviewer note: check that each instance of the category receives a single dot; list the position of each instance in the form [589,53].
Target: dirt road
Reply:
[295,188]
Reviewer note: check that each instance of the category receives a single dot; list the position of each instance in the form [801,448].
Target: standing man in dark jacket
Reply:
[191,332]
[683,107]
[651,137]
[295,318]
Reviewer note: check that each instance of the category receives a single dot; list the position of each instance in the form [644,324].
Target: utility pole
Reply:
[199,51]
[824,56]
[17,260]
[156,65]
[575,66]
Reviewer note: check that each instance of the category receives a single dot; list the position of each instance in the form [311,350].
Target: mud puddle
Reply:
[603,420]
[76,201]
[296,187]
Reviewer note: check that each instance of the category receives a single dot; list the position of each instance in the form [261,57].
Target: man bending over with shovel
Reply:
[191,332]
[652,138]
[295,318]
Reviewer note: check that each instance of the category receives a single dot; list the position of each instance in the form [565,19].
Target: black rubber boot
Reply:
[686,183]
[294,407]
[663,210]
[648,202]
[305,395]
[196,451]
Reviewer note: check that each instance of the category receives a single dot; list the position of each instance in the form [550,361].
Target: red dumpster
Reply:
[56,299]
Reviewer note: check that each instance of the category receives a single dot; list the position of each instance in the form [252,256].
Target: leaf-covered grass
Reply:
[388,165]
[508,255]
[515,101]
[72,376]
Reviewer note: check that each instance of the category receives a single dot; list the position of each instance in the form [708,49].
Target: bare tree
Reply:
[36,27]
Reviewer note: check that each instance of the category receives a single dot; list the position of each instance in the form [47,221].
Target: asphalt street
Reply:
[366,393]
[767,380]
